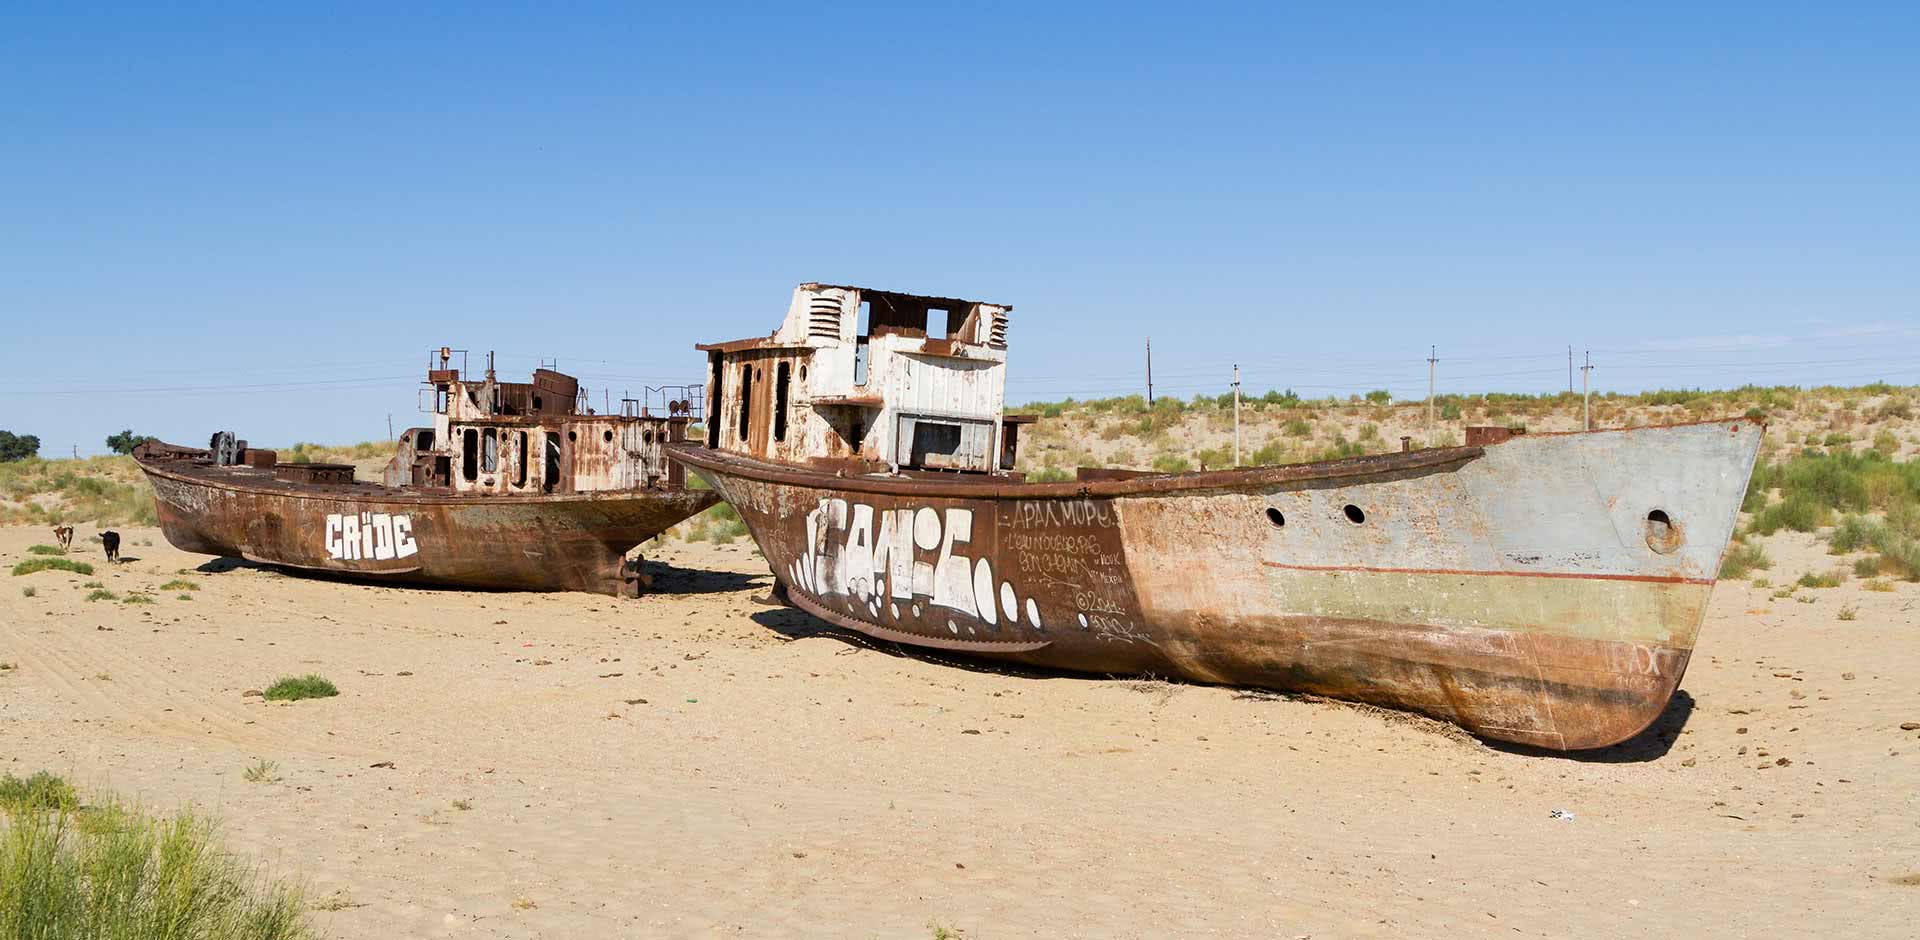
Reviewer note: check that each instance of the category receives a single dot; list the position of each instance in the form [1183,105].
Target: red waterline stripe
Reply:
[1653,578]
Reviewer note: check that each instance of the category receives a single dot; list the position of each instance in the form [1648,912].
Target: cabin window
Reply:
[490,451]
[933,439]
[855,433]
[551,478]
[861,329]
[746,400]
[536,403]
[470,454]
[936,323]
[520,469]
[423,439]
[781,376]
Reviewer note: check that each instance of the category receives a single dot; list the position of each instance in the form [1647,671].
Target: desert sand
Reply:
[696,764]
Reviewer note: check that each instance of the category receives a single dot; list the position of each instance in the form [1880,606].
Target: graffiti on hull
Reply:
[369,536]
[1036,566]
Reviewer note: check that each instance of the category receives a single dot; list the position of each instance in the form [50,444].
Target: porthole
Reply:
[803,373]
[572,436]
[646,437]
[1274,516]
[1354,514]
[607,436]
[1664,535]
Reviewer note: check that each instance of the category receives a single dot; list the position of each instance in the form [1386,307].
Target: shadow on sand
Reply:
[1649,745]
[681,581]
[792,623]
[666,578]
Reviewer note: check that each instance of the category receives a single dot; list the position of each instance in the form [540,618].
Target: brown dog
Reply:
[64,535]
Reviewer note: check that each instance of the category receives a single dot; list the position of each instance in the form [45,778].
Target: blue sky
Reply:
[262,220]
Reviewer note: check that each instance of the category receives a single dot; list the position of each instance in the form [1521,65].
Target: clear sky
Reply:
[229,218]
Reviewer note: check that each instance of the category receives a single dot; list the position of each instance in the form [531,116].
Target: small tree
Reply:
[17,446]
[125,441]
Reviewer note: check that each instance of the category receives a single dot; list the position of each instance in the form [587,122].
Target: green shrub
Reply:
[1831,579]
[1852,534]
[179,584]
[103,870]
[45,550]
[1796,512]
[1171,463]
[29,591]
[1215,458]
[1049,475]
[295,688]
[102,594]
[1296,427]
[136,598]
[1866,567]
[44,563]
[1743,558]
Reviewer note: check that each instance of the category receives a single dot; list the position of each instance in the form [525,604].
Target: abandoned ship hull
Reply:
[1545,590]
[564,542]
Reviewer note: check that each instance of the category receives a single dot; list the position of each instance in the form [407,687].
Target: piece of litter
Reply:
[1561,814]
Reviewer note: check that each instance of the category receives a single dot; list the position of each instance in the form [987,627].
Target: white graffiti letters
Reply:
[369,536]
[924,552]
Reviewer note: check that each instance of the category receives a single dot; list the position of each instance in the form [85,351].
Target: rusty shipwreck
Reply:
[517,485]
[1544,589]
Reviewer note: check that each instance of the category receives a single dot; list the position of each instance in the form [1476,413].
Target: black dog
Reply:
[110,540]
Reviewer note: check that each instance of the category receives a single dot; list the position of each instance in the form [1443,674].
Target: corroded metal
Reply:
[513,488]
[1545,589]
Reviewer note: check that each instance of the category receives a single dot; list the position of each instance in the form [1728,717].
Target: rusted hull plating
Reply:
[574,542]
[1545,590]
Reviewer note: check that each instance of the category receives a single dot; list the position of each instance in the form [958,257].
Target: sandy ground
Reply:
[696,764]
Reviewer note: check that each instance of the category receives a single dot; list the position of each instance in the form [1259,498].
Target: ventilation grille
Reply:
[997,331]
[823,318]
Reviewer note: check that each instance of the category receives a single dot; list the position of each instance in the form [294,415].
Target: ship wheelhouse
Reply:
[539,437]
[868,381]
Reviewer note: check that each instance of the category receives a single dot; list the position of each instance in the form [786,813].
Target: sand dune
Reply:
[696,764]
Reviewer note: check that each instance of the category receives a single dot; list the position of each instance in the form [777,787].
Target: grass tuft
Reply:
[102,594]
[1831,579]
[295,688]
[44,550]
[29,591]
[179,584]
[40,791]
[261,772]
[43,563]
[136,598]
[69,871]
[1742,559]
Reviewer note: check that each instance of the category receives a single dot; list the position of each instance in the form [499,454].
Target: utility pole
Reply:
[1586,393]
[1236,414]
[1569,368]
[389,427]
[1149,372]
[1432,358]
